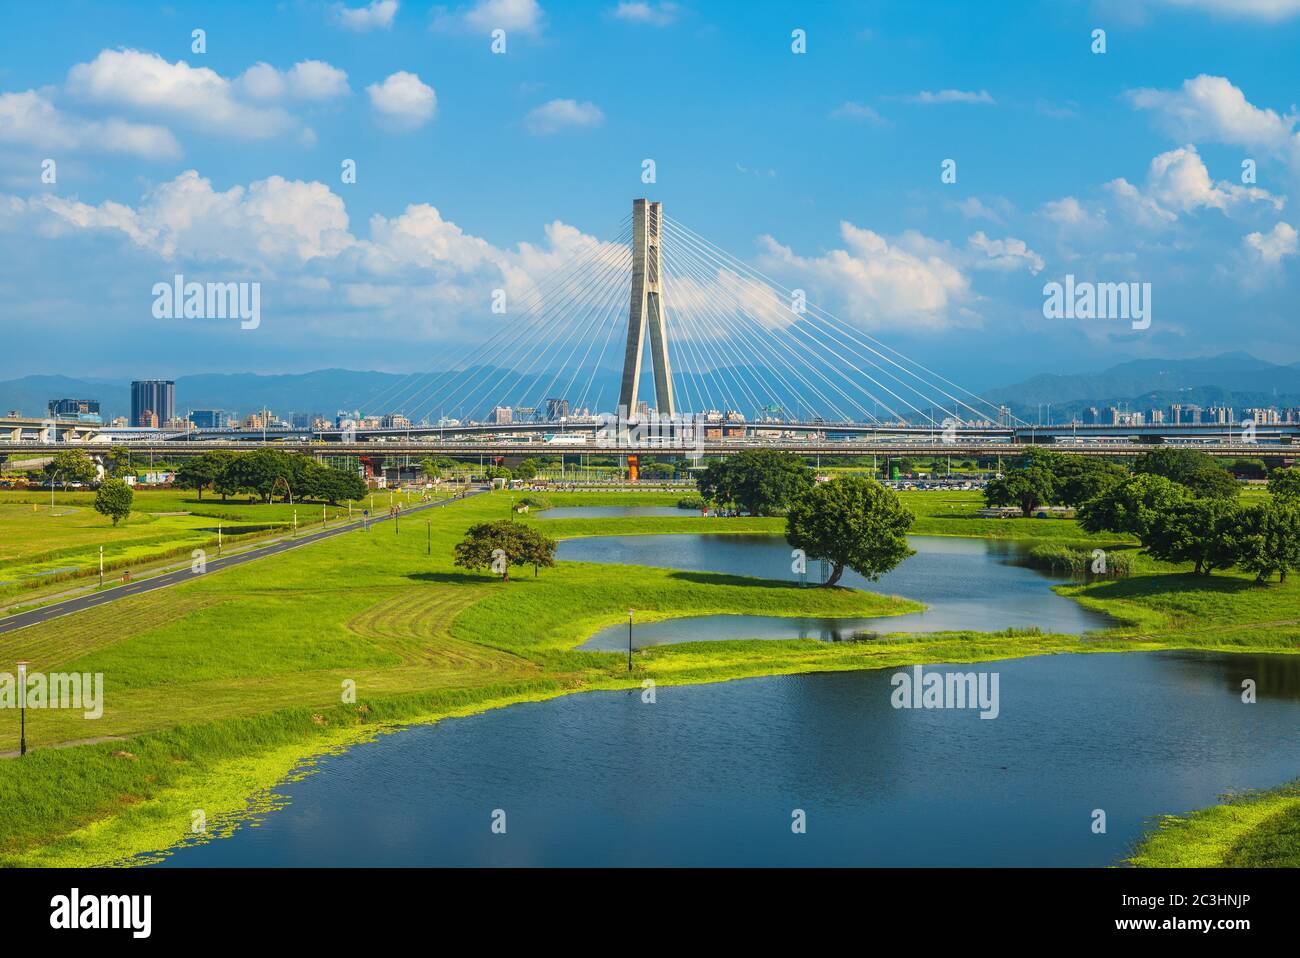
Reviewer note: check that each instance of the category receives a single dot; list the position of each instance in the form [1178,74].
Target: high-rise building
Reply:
[502,415]
[557,409]
[155,397]
[86,410]
[211,418]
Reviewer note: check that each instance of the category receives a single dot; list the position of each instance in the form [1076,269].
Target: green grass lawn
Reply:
[43,547]
[218,688]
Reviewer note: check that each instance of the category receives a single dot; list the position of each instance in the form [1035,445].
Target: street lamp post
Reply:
[101,567]
[22,709]
[629,639]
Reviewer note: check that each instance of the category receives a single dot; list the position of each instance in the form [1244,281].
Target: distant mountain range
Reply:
[1236,379]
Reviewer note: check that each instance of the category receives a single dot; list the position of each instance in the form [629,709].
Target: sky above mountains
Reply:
[128,156]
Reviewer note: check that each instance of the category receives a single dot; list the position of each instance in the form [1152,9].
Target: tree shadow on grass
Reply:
[723,578]
[1138,586]
[458,578]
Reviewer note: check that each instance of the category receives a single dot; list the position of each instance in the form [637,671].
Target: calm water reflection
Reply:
[967,584]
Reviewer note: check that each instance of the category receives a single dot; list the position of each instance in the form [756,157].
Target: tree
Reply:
[330,485]
[228,478]
[435,467]
[71,465]
[763,482]
[717,483]
[851,523]
[499,545]
[1205,532]
[114,499]
[1132,505]
[1080,478]
[539,550]
[267,472]
[197,472]
[1027,488]
[1213,482]
[117,461]
[1284,485]
[1270,540]
[527,469]
[1196,470]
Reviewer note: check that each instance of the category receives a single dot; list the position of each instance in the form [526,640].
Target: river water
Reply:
[712,774]
[966,583]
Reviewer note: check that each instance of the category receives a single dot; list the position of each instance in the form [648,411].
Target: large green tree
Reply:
[763,482]
[1028,487]
[270,472]
[331,485]
[499,545]
[527,469]
[852,523]
[71,465]
[1271,540]
[1080,478]
[1284,484]
[117,461]
[1208,533]
[1213,482]
[1196,470]
[197,472]
[1132,505]
[114,499]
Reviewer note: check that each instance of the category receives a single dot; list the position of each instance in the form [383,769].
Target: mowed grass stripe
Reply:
[67,638]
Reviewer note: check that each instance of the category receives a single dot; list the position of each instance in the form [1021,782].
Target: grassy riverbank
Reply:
[1259,830]
[217,688]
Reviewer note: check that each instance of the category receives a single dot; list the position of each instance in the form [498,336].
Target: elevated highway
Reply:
[966,448]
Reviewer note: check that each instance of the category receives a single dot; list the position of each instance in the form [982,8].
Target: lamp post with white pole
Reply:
[22,709]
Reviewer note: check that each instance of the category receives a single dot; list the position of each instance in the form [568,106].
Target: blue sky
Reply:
[477,170]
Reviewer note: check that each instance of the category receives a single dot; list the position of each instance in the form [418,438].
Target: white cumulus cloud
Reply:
[1211,109]
[196,96]
[484,16]
[308,80]
[1271,247]
[876,282]
[377,15]
[30,119]
[1178,182]
[403,101]
[556,115]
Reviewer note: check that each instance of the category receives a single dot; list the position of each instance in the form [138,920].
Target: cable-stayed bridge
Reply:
[722,341]
[659,338]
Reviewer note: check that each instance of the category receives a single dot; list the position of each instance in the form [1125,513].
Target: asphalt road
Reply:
[68,606]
